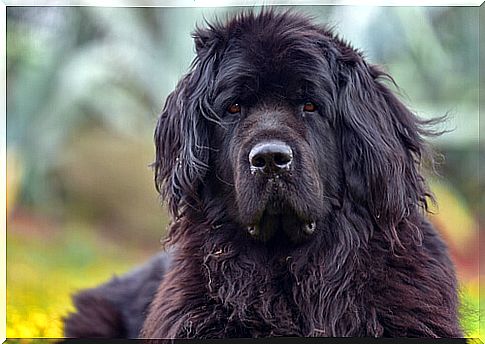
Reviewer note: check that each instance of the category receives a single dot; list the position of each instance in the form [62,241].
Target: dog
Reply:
[292,174]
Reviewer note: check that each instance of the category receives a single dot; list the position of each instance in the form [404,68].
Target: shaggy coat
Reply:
[292,174]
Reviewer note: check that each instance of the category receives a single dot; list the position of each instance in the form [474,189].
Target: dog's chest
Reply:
[288,305]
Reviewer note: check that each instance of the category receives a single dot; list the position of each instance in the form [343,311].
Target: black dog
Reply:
[292,175]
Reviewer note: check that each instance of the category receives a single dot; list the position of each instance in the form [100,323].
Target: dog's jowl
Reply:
[292,176]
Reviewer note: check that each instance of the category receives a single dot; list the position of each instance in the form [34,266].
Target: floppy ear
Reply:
[181,135]
[382,146]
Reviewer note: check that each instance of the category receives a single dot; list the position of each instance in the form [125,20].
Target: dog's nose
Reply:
[270,157]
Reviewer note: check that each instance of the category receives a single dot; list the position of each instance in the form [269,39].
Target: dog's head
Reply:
[285,124]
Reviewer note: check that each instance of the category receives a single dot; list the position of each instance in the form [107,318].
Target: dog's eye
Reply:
[309,107]
[234,108]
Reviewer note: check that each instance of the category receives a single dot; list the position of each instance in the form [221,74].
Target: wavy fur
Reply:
[374,266]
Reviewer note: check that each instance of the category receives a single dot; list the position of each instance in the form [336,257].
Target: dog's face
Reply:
[277,149]
[284,124]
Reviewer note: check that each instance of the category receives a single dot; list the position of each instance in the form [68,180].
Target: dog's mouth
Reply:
[276,221]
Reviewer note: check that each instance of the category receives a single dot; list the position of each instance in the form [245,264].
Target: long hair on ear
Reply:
[181,135]
[383,156]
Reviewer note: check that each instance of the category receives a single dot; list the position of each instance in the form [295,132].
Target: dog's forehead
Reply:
[276,42]
[272,63]
[279,53]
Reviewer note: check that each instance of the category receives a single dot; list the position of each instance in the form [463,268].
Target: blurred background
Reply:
[84,88]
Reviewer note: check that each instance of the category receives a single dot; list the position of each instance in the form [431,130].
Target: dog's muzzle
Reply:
[270,162]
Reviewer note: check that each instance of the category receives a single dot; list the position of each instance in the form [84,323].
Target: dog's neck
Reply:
[255,290]
[272,291]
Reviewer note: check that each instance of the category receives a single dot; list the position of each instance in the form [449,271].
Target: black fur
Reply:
[373,266]
[117,308]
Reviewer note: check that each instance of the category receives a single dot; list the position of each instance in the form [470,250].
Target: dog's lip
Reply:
[280,208]
[307,228]
[253,230]
[285,219]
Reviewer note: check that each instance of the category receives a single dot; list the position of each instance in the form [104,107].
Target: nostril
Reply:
[258,161]
[282,159]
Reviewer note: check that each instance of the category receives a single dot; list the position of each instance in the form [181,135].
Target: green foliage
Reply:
[71,67]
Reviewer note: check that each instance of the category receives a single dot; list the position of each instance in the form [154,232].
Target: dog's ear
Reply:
[382,146]
[181,135]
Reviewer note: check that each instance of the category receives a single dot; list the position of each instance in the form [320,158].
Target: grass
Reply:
[43,274]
